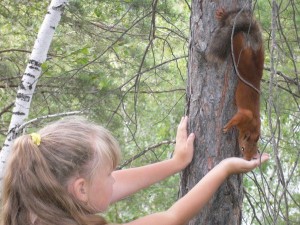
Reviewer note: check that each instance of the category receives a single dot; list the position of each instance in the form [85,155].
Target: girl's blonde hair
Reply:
[35,183]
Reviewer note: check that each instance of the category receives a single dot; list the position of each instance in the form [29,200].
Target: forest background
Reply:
[125,67]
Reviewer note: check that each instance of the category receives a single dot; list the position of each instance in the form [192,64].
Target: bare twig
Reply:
[150,148]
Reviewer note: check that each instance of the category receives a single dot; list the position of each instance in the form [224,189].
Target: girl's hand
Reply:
[236,165]
[184,148]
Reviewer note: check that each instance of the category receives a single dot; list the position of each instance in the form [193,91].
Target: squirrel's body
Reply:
[239,32]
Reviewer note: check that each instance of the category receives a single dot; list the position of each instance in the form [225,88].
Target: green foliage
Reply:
[105,61]
[128,72]
[272,192]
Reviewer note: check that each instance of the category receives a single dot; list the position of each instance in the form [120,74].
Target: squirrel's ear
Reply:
[79,189]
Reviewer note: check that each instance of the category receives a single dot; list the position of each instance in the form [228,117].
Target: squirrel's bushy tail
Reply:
[231,23]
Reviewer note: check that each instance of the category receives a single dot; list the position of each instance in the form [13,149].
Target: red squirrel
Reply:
[239,35]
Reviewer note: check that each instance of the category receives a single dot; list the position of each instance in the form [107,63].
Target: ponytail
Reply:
[35,182]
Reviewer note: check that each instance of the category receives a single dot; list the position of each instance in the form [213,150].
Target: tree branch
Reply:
[20,128]
[127,162]
[6,109]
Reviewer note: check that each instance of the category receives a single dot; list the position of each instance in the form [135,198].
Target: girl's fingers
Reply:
[260,158]
[191,139]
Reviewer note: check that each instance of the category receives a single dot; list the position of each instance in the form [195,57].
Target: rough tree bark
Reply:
[210,98]
[30,77]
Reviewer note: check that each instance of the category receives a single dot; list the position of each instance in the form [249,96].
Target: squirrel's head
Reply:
[248,144]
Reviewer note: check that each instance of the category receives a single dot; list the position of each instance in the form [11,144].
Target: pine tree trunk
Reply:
[30,78]
[210,98]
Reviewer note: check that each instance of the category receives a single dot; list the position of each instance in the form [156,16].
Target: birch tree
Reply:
[30,77]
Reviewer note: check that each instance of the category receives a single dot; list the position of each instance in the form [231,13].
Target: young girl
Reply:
[65,174]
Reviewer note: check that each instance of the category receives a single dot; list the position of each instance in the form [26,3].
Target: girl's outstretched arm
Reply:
[129,181]
[190,204]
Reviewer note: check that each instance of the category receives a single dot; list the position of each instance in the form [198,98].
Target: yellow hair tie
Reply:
[36,138]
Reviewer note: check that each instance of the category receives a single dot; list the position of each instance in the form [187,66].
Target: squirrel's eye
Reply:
[243,149]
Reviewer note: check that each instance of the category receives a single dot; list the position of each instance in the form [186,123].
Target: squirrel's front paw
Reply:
[220,13]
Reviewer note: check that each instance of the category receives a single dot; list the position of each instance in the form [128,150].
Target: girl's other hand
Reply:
[184,148]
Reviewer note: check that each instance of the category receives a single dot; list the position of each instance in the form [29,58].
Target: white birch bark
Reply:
[30,78]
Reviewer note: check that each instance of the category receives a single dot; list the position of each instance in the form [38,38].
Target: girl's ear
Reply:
[79,188]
